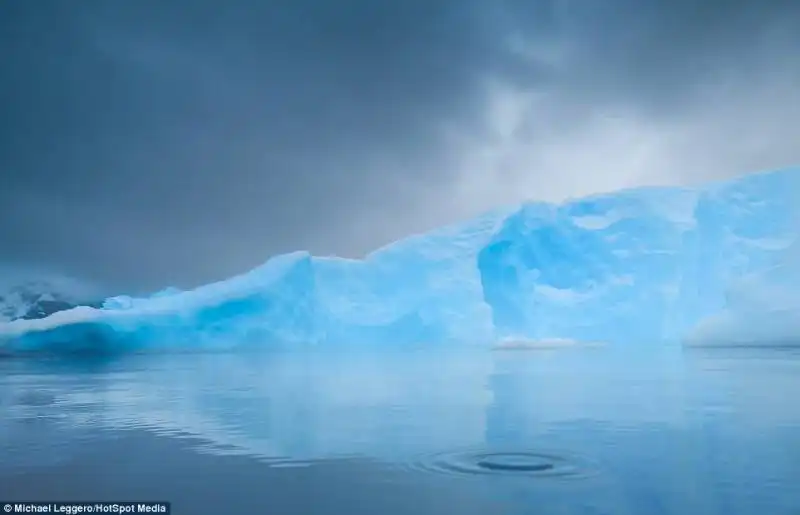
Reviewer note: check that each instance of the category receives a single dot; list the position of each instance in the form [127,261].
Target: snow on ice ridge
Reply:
[642,265]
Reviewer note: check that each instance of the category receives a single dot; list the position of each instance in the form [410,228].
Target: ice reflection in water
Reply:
[561,430]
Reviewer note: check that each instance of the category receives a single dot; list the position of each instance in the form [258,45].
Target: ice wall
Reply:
[761,309]
[637,266]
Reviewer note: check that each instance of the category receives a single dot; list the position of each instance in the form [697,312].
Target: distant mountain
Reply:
[23,295]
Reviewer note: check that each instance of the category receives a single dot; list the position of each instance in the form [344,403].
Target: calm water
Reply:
[517,432]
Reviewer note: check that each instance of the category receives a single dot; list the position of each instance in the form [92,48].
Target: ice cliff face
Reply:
[637,266]
[763,308]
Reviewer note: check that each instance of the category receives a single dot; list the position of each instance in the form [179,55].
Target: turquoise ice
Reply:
[712,264]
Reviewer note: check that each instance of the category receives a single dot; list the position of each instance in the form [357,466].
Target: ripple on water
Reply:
[519,463]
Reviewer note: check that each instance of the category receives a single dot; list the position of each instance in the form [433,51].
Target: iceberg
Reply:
[762,309]
[639,266]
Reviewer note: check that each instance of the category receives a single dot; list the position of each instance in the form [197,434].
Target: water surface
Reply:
[538,431]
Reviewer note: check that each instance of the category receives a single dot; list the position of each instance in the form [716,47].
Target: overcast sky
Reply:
[170,142]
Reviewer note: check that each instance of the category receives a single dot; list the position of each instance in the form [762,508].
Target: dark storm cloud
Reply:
[656,53]
[160,142]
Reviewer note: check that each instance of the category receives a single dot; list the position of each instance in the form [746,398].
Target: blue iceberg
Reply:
[763,308]
[647,265]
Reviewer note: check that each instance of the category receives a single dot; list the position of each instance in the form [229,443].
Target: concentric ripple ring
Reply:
[501,463]
[520,462]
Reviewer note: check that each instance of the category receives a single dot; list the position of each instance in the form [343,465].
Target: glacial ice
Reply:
[763,308]
[647,265]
